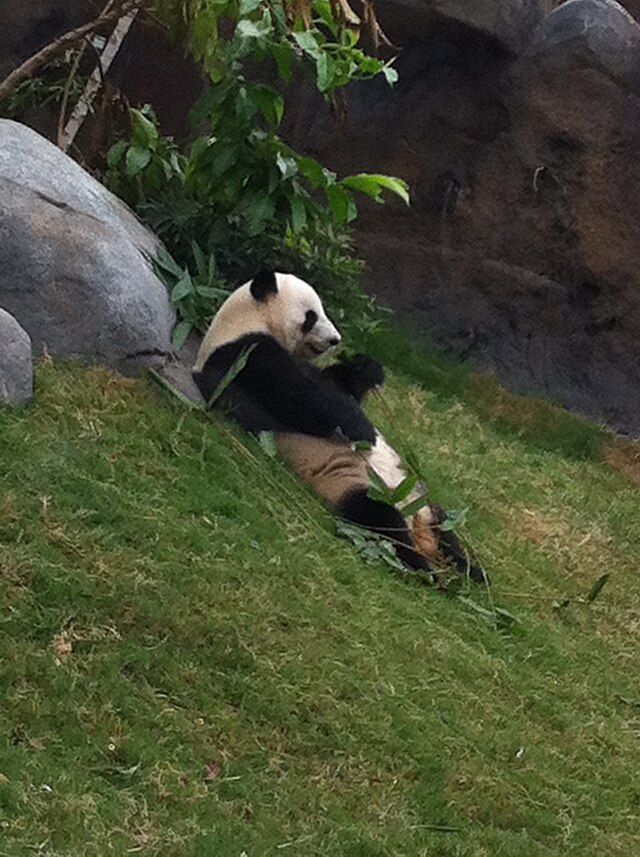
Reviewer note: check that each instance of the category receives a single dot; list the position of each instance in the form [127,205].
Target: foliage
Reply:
[44,89]
[196,296]
[237,191]
[318,36]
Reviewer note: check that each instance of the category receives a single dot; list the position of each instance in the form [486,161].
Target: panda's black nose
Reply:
[334,341]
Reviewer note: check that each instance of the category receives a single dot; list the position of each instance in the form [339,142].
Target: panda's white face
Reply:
[281,305]
[298,319]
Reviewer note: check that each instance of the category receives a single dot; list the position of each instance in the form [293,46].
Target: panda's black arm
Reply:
[299,397]
[356,375]
[274,392]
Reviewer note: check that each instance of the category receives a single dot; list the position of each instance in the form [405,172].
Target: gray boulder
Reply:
[16,369]
[74,260]
[516,22]
[597,34]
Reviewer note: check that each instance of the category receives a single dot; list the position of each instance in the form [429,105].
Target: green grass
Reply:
[171,601]
[540,421]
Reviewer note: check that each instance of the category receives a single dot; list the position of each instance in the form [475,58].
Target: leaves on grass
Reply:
[497,617]
[371,547]
[453,519]
[560,604]
[597,587]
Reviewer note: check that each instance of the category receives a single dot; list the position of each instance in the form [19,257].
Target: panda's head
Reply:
[280,305]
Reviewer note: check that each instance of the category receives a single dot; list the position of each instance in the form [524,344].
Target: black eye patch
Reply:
[309,320]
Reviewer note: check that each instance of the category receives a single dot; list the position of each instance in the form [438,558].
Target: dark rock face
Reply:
[27,27]
[74,261]
[520,249]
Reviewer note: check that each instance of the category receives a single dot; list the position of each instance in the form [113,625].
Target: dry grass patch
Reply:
[623,455]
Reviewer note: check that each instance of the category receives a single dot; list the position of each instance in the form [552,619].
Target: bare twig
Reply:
[96,80]
[65,96]
[31,66]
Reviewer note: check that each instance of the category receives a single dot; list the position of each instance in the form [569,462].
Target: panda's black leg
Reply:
[453,551]
[358,508]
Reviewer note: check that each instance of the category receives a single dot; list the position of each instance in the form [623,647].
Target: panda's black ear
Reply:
[263,285]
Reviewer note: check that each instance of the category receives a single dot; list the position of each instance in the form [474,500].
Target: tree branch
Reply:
[65,96]
[67,40]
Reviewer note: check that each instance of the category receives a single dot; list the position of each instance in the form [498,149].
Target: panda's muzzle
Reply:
[326,345]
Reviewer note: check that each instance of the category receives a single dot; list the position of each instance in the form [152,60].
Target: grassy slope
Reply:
[214,620]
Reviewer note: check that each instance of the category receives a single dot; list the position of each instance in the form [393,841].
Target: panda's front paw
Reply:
[367,372]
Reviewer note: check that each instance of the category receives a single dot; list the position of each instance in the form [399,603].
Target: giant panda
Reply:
[331,469]
[277,321]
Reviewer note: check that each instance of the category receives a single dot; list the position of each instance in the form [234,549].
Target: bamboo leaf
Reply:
[180,333]
[179,395]
[143,132]
[404,489]
[267,443]
[453,519]
[324,72]
[136,160]
[298,214]
[339,199]
[597,587]
[248,6]
[232,372]
[361,445]
[200,259]
[378,485]
[412,508]
[116,153]
[165,263]
[308,43]
[372,185]
[182,288]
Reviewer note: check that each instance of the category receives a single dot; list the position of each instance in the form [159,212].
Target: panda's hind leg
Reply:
[358,508]
[452,550]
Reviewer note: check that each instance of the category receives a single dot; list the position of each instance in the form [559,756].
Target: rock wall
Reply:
[25,27]
[520,248]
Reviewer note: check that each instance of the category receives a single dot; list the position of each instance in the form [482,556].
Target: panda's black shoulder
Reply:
[275,391]
[224,356]
[221,359]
